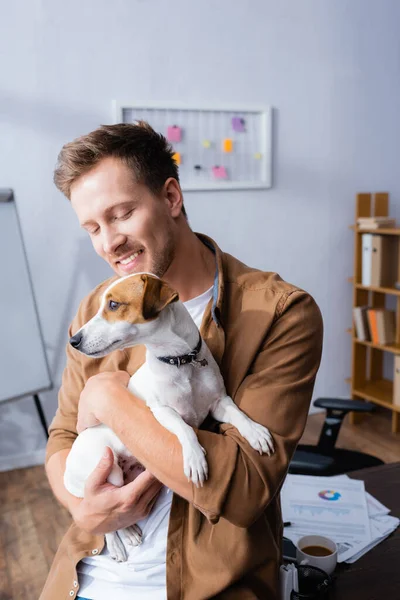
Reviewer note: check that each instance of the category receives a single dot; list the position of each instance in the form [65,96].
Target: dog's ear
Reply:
[156,295]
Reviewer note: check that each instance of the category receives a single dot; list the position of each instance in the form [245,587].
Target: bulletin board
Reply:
[215,148]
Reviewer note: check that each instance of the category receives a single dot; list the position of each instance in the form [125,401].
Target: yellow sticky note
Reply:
[258,155]
[206,143]
[177,158]
[227,145]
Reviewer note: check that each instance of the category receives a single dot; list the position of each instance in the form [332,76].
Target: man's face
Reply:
[133,230]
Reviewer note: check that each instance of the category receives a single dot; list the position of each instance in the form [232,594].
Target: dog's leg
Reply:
[194,463]
[116,547]
[131,536]
[119,541]
[258,436]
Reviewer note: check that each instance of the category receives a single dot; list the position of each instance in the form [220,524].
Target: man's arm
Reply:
[55,468]
[62,430]
[276,393]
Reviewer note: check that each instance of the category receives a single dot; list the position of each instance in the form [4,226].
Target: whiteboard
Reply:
[23,364]
[204,161]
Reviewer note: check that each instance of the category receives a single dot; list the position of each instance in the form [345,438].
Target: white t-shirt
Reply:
[143,576]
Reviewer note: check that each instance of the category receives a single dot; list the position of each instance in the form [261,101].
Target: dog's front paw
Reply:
[259,437]
[115,547]
[195,465]
[132,535]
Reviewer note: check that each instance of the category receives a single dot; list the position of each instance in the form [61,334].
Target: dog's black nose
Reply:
[76,340]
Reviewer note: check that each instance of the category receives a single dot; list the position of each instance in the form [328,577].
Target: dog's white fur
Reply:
[180,398]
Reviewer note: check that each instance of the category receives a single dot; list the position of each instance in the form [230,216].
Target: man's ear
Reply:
[156,295]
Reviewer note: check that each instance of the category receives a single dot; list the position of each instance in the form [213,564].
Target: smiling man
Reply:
[221,540]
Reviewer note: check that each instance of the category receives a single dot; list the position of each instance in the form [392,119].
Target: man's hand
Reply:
[106,508]
[96,397]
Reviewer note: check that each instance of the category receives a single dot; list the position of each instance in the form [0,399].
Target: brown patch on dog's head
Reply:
[137,299]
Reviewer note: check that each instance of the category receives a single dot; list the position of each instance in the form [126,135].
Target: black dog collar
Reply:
[185,359]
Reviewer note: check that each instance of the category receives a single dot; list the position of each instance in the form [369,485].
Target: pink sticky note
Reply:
[238,124]
[219,172]
[174,133]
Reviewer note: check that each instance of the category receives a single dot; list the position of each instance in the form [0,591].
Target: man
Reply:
[221,540]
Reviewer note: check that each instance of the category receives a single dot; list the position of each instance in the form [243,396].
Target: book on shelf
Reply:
[386,322]
[373,325]
[361,323]
[366,258]
[396,381]
[375,222]
[378,260]
[382,325]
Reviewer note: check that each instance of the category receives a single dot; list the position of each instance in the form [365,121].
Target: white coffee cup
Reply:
[326,563]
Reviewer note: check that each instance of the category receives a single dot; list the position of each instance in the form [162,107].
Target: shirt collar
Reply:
[212,327]
[218,287]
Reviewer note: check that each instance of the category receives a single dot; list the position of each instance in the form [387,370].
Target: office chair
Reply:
[324,459]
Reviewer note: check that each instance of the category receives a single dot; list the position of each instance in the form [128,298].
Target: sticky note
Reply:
[177,158]
[174,133]
[258,155]
[227,145]
[238,124]
[219,172]
[206,143]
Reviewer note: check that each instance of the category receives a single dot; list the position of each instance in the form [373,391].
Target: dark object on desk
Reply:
[324,459]
[375,576]
[289,550]
[314,583]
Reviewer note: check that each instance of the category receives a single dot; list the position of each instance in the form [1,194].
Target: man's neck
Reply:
[193,268]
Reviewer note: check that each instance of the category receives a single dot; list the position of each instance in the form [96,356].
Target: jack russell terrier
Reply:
[180,382]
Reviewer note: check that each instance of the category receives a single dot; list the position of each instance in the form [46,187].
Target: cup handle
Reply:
[305,561]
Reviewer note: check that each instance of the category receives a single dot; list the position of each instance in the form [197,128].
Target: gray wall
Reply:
[329,67]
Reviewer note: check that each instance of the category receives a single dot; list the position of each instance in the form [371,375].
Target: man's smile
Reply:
[128,262]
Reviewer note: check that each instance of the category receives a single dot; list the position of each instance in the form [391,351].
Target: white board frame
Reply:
[266,140]
[41,385]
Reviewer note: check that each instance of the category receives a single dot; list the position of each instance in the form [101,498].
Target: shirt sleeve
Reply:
[276,393]
[62,430]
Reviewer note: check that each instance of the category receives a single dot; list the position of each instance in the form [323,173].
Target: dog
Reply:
[180,382]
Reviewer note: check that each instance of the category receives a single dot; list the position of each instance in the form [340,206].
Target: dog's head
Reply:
[127,315]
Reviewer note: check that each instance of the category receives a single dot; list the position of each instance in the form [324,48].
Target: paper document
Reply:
[381,527]
[322,506]
[337,507]
[374,506]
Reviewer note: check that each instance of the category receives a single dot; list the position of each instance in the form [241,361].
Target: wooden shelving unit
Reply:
[367,380]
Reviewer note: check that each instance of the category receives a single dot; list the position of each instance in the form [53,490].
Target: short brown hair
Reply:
[147,153]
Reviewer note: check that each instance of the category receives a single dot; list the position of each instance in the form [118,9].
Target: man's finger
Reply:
[100,474]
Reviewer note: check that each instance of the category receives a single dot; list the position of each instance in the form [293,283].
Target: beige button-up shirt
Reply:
[266,335]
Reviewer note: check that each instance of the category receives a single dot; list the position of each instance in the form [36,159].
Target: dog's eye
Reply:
[113,305]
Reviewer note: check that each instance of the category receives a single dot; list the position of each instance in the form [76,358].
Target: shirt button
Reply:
[72,593]
[75,584]
[95,551]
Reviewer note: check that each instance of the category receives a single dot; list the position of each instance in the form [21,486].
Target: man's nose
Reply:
[112,241]
[76,340]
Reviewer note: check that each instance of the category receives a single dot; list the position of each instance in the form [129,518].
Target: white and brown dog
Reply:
[142,309]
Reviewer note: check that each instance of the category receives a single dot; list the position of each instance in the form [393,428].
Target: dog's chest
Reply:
[186,395]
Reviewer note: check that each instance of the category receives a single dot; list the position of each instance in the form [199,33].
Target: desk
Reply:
[375,576]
